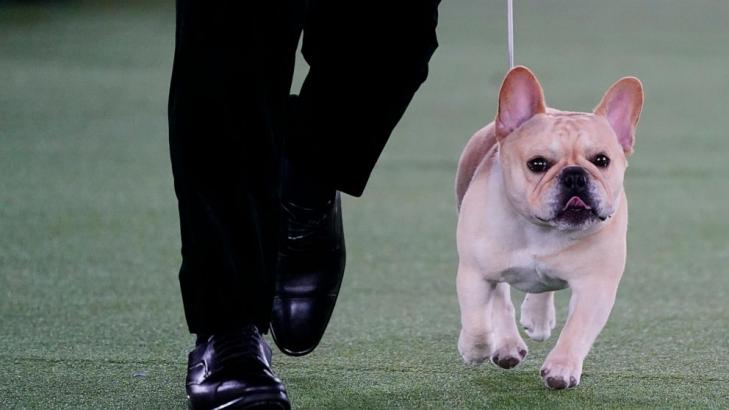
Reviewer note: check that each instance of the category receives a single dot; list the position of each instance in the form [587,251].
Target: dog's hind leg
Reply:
[537,315]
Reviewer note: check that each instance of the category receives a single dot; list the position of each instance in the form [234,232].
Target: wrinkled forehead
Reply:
[559,131]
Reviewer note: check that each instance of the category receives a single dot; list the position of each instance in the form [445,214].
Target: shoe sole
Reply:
[269,401]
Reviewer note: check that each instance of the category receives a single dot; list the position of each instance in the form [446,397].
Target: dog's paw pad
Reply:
[509,354]
[561,375]
[505,362]
[556,383]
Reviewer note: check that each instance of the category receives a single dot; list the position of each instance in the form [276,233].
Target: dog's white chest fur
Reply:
[528,274]
[525,267]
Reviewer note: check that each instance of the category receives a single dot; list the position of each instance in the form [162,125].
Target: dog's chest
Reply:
[528,274]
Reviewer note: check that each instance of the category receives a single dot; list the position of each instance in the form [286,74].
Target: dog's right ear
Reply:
[521,97]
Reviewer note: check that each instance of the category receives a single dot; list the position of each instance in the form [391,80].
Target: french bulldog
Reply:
[542,208]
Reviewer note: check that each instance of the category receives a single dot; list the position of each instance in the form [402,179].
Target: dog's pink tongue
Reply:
[575,202]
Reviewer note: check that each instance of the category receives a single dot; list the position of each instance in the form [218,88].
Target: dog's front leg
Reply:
[508,348]
[474,293]
[590,305]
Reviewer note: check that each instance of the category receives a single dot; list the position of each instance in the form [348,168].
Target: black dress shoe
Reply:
[309,269]
[233,371]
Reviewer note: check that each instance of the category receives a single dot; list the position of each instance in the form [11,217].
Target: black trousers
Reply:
[231,117]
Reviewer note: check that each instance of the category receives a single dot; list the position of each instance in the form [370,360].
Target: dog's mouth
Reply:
[576,204]
[577,211]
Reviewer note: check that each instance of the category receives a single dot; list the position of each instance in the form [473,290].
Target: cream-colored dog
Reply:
[542,208]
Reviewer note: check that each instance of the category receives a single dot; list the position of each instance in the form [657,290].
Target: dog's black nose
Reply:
[574,179]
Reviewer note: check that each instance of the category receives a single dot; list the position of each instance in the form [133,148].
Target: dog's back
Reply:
[480,144]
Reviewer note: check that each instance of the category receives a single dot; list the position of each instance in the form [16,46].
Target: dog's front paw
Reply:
[537,316]
[474,349]
[561,372]
[508,353]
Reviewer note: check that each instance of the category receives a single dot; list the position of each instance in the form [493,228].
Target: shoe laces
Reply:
[237,347]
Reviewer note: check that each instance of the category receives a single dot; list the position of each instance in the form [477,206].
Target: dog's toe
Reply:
[556,383]
[505,362]
[509,354]
[561,374]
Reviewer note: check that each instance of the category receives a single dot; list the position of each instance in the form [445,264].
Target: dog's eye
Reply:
[601,161]
[538,164]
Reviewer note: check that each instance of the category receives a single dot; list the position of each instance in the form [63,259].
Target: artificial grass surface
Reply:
[90,313]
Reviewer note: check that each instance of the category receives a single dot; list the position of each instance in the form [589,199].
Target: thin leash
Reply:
[510,28]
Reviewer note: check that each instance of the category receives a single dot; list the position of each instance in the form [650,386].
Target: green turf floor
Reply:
[90,312]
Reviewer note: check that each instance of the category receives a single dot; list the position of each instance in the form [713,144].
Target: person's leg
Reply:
[231,78]
[366,62]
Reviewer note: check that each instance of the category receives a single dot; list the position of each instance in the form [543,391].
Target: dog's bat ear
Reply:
[521,97]
[621,106]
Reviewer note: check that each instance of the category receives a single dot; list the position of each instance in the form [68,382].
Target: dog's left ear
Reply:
[621,106]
